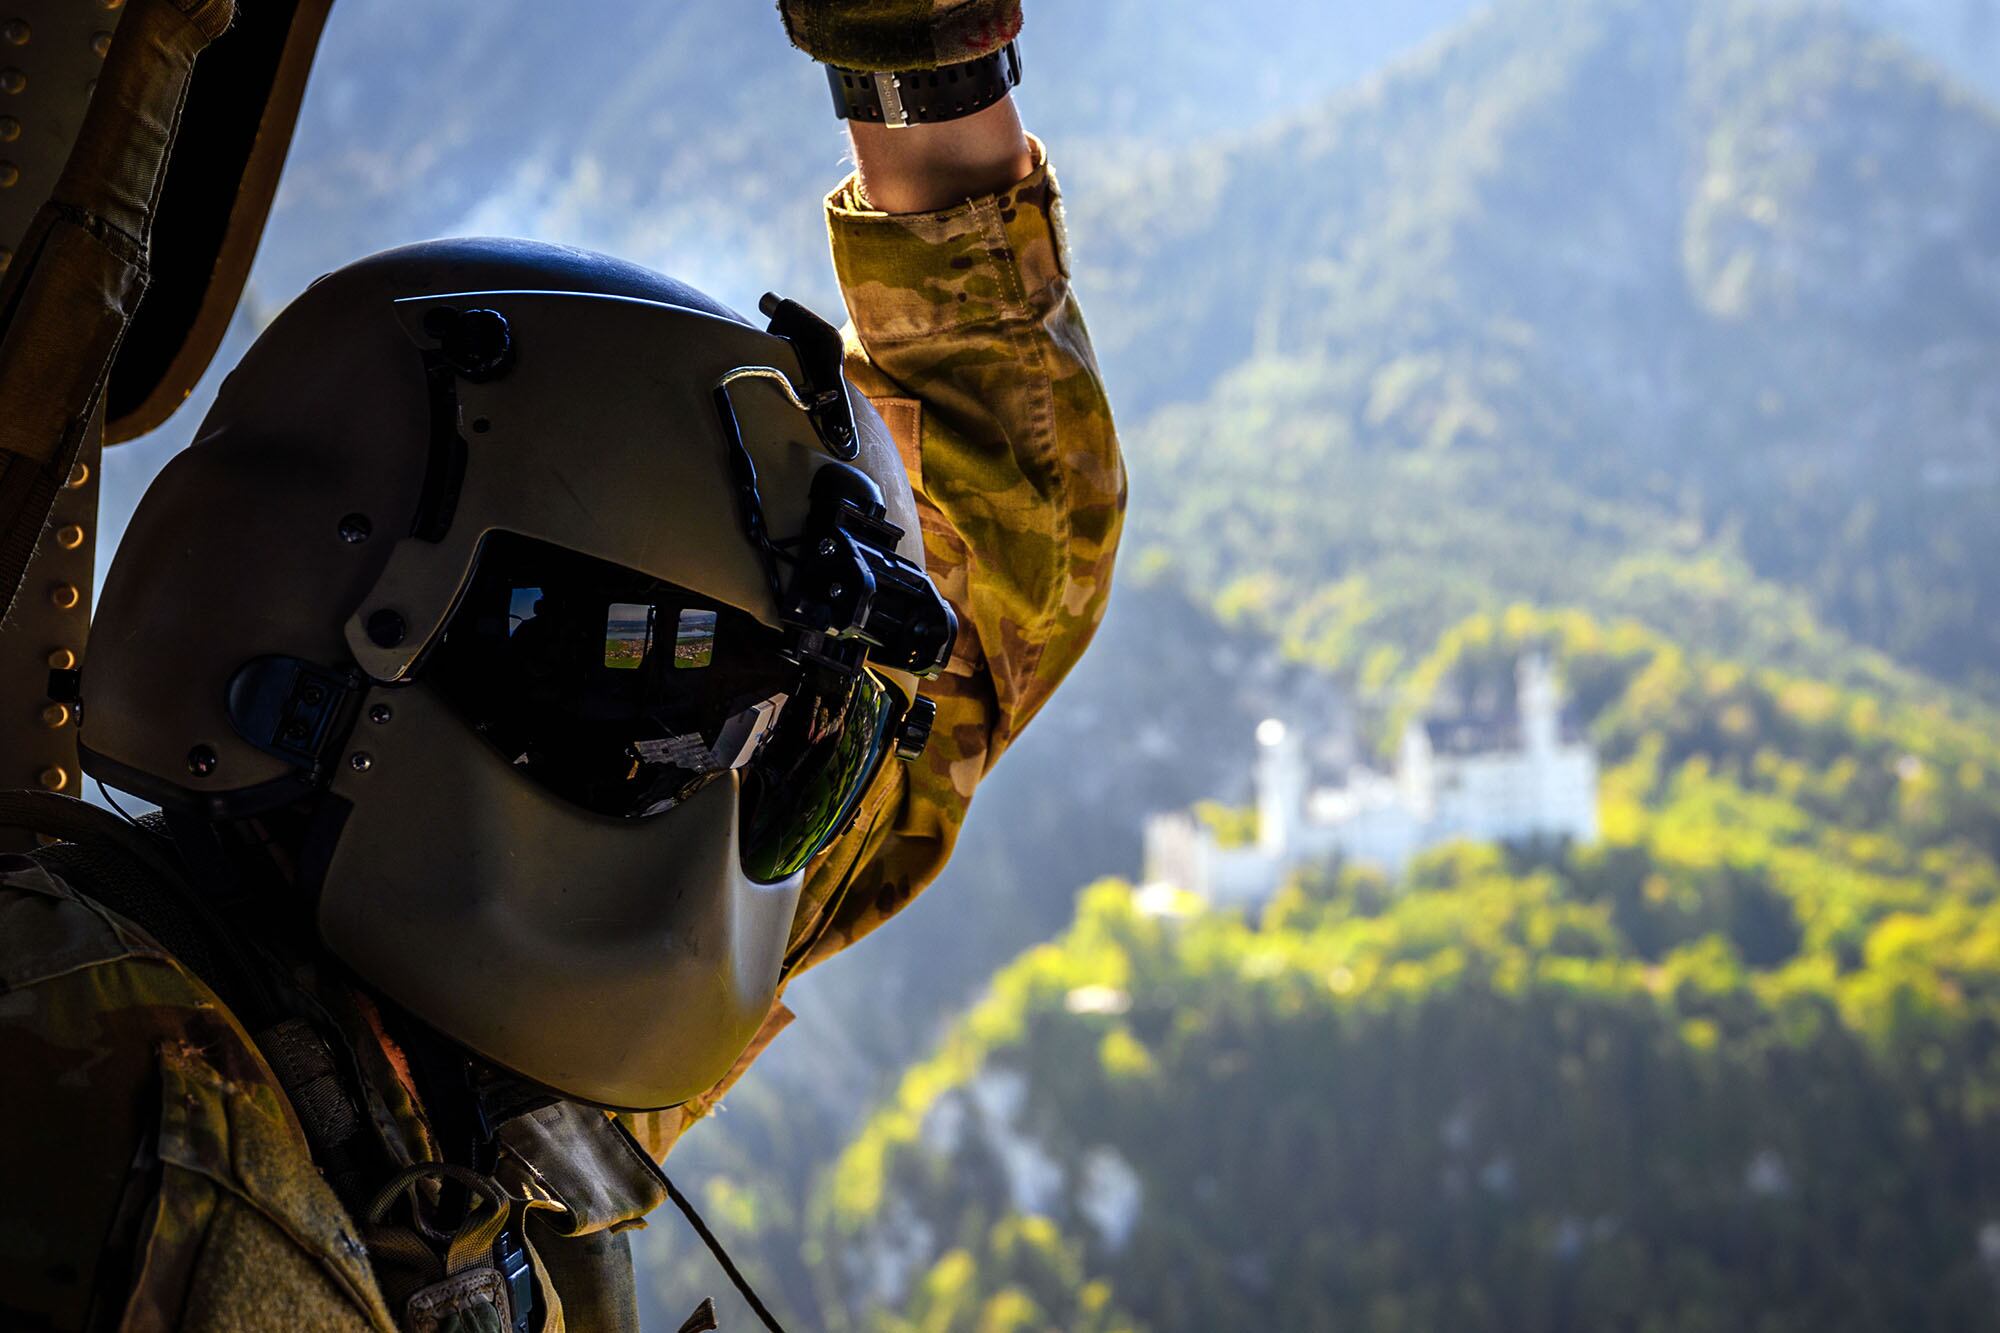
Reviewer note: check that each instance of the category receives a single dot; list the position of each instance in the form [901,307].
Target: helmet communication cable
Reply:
[124,814]
[708,1238]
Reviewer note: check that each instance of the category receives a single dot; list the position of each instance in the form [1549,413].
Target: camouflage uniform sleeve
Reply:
[154,1173]
[966,336]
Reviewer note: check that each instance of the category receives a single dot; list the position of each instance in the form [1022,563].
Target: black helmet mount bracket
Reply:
[822,359]
[841,583]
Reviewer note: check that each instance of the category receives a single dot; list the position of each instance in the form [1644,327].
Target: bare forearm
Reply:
[928,167]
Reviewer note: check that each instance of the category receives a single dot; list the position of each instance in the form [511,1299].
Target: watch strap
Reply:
[902,98]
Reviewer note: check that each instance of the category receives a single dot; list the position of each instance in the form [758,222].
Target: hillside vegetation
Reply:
[1735,1067]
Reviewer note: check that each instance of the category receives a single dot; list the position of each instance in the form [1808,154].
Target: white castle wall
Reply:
[1535,790]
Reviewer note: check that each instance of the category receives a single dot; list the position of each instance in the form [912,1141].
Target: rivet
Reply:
[10,175]
[65,596]
[55,779]
[100,42]
[202,760]
[380,713]
[16,31]
[70,536]
[110,4]
[61,659]
[386,628]
[361,761]
[12,81]
[355,528]
[55,715]
[79,476]
[10,129]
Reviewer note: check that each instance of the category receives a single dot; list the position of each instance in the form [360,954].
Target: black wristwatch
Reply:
[903,98]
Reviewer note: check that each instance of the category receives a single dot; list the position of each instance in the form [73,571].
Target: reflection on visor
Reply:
[626,695]
[694,640]
[628,635]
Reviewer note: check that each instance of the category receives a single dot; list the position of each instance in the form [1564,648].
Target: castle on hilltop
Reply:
[1491,770]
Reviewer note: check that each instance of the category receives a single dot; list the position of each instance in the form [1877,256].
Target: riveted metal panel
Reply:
[47,630]
[50,52]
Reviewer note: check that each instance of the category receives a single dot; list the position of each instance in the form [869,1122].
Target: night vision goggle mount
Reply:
[849,594]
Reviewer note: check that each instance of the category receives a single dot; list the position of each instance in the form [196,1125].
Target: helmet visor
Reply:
[625,695]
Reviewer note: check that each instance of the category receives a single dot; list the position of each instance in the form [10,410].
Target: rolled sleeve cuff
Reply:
[998,258]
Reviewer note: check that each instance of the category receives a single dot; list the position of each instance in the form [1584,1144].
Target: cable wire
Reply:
[708,1238]
[122,812]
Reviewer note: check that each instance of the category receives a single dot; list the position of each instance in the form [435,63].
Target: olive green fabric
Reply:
[899,34]
[593,1275]
[444,1283]
[175,1143]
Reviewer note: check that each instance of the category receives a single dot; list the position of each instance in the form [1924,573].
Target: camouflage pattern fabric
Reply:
[900,34]
[156,1175]
[159,1177]
[966,336]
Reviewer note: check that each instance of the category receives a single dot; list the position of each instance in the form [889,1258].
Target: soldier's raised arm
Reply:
[949,245]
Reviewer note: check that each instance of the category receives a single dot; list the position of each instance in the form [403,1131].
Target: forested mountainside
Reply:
[1734,1067]
[1648,305]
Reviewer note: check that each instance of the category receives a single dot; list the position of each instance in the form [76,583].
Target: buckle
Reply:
[889,92]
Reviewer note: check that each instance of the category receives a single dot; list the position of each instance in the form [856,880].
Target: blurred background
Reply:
[1524,852]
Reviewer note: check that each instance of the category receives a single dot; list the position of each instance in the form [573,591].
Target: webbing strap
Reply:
[82,269]
[415,1245]
[71,820]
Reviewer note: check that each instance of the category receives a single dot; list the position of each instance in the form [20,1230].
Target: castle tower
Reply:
[1540,704]
[1281,787]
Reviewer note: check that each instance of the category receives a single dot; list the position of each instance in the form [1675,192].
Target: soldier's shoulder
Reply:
[153,1165]
[92,1010]
[77,980]
[89,1001]
[48,929]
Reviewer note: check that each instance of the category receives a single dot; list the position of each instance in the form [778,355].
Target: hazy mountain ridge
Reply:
[1609,251]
